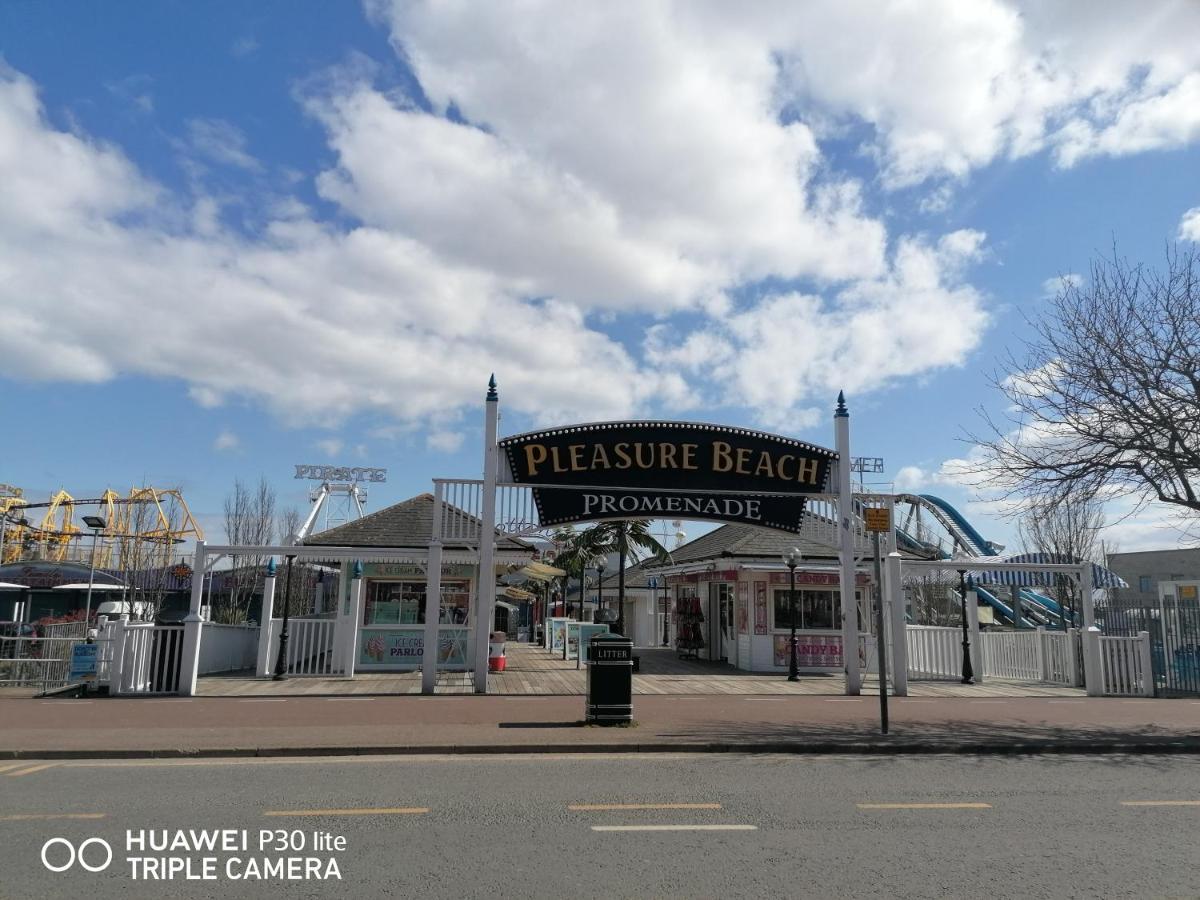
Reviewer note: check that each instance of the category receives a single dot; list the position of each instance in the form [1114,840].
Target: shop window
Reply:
[814,609]
[403,603]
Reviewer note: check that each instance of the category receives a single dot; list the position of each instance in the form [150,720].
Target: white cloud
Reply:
[226,440]
[917,317]
[910,478]
[330,446]
[615,160]
[1052,287]
[444,440]
[221,142]
[1189,225]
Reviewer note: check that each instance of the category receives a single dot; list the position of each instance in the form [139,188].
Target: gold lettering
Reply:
[555,461]
[535,455]
[666,456]
[722,460]
[576,451]
[689,457]
[743,459]
[808,471]
[624,460]
[783,475]
[764,465]
[599,457]
[637,453]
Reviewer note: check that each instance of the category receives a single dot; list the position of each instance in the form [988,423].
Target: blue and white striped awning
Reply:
[1101,577]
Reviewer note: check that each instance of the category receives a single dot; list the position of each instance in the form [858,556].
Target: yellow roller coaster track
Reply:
[142,528]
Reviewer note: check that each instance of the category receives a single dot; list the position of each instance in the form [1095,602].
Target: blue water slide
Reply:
[1042,600]
[983,547]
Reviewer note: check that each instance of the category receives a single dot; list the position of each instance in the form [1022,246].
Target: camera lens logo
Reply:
[59,854]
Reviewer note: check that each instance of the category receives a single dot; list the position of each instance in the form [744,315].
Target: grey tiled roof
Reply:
[405,524]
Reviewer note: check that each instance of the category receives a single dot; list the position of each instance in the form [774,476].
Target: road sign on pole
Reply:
[877,519]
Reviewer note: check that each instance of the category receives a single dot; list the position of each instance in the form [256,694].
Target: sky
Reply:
[237,237]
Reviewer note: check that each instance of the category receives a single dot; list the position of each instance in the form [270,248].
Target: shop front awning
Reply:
[9,586]
[515,593]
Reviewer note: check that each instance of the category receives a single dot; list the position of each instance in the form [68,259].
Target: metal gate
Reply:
[1173,623]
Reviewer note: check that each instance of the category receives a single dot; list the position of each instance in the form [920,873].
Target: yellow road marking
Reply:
[674,828]
[1160,802]
[29,817]
[13,766]
[924,805]
[596,807]
[29,771]
[381,811]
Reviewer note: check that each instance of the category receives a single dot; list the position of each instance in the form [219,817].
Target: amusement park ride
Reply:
[141,529]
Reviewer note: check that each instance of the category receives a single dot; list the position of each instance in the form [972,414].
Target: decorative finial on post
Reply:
[271,567]
[491,394]
[358,570]
[841,407]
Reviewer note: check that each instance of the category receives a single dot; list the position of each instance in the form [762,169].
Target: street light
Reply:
[97,524]
[968,672]
[791,559]
[281,660]
[599,588]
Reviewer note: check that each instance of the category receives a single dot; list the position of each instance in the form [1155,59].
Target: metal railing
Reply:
[36,662]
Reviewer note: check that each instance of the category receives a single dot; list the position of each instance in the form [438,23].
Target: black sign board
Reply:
[646,470]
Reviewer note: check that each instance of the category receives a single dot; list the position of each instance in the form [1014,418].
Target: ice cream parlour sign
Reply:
[397,570]
[393,648]
[621,470]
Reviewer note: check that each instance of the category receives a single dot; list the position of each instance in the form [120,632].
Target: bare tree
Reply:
[1106,400]
[249,521]
[935,598]
[1067,529]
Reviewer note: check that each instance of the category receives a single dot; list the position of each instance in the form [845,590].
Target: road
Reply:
[568,825]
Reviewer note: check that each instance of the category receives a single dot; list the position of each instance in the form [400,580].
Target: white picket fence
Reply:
[145,658]
[227,648]
[310,645]
[1125,662]
[1034,655]
[934,652]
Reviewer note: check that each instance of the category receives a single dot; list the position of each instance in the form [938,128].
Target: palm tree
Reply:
[621,538]
[573,555]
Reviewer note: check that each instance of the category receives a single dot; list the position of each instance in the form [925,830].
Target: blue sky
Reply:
[242,236]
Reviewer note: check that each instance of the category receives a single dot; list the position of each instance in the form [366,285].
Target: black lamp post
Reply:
[97,524]
[791,559]
[666,613]
[968,671]
[599,586]
[281,660]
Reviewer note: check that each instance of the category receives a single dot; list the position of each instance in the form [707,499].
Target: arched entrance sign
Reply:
[615,470]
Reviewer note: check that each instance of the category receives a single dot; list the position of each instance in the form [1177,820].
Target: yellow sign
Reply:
[877,519]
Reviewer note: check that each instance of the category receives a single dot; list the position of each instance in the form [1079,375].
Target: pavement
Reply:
[98,727]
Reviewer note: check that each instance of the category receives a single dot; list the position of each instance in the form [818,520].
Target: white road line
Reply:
[1160,802]
[924,805]
[674,828]
[263,699]
[600,807]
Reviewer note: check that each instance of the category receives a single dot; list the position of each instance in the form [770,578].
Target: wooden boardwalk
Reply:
[532,671]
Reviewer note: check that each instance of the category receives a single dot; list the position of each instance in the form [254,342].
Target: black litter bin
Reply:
[609,680]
